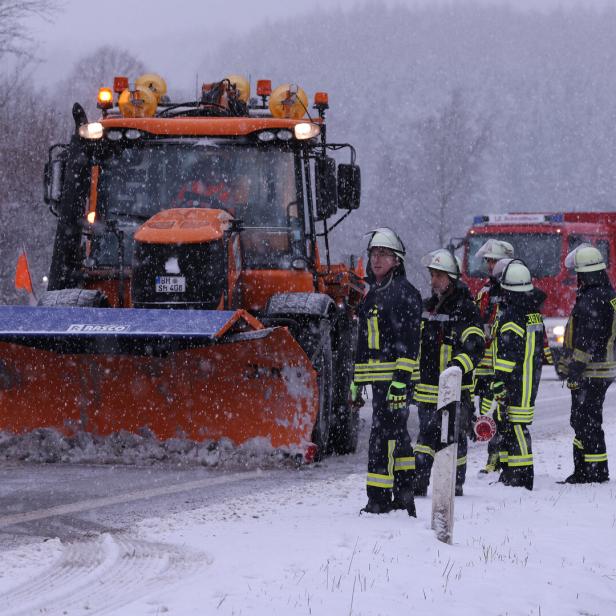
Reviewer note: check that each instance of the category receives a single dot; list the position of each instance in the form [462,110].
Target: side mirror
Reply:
[349,187]
[326,187]
[53,175]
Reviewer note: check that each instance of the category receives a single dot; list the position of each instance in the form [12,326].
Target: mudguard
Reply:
[194,374]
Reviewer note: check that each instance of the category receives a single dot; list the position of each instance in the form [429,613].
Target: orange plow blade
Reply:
[204,386]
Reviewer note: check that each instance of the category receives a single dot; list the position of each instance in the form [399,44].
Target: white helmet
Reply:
[495,249]
[516,277]
[384,237]
[499,267]
[585,258]
[443,261]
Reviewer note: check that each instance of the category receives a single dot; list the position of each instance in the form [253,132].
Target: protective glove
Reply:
[396,395]
[572,384]
[562,369]
[356,395]
[499,393]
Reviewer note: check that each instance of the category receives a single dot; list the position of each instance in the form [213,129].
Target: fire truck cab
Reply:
[543,241]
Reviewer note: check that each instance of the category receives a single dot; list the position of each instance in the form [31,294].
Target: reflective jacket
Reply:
[590,334]
[518,354]
[487,300]
[450,334]
[388,331]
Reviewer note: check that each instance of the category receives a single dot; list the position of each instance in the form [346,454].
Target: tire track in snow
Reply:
[100,576]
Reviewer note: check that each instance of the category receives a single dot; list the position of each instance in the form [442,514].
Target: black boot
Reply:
[459,490]
[374,506]
[408,504]
[576,477]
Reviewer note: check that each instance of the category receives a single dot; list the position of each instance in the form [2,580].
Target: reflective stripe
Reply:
[579,355]
[408,365]
[522,444]
[518,414]
[486,406]
[465,361]
[425,449]
[391,446]
[427,387]
[534,328]
[376,364]
[510,326]
[503,456]
[611,342]
[461,461]
[373,330]
[404,464]
[520,460]
[380,481]
[426,393]
[484,371]
[504,365]
[426,398]
[470,331]
[595,457]
[528,368]
[374,371]
[374,378]
[445,356]
[577,443]
[600,370]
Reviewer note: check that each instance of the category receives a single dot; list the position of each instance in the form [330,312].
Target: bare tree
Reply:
[96,70]
[15,38]
[451,144]
[16,41]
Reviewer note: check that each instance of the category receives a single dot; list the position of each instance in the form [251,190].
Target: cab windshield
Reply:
[540,251]
[254,184]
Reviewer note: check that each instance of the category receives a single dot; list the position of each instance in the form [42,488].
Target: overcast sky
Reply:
[172,37]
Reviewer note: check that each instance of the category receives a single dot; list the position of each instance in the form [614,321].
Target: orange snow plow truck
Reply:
[186,295]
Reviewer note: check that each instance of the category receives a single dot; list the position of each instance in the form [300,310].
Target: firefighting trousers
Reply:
[391,464]
[589,451]
[516,455]
[429,442]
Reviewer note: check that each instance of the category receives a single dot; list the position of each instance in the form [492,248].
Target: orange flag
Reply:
[22,273]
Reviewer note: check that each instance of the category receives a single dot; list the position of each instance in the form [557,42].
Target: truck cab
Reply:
[542,241]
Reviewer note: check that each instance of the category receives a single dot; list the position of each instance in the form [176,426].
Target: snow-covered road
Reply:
[93,539]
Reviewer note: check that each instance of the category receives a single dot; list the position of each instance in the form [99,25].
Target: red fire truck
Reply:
[543,241]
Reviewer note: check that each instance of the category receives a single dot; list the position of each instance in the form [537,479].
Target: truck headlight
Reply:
[93,130]
[306,130]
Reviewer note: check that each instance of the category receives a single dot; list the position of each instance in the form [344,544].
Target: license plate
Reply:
[170,284]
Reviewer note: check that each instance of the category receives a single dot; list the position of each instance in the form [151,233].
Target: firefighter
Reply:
[388,344]
[588,362]
[451,335]
[518,359]
[487,300]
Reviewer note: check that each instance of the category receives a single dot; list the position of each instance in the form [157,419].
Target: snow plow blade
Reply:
[200,375]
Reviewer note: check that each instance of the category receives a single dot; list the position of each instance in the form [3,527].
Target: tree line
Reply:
[455,110]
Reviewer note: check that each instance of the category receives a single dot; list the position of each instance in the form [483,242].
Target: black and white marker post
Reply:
[444,467]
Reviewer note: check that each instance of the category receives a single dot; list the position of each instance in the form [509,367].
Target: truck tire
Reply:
[84,298]
[323,364]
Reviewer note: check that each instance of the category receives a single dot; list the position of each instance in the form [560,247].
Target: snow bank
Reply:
[305,549]
[49,446]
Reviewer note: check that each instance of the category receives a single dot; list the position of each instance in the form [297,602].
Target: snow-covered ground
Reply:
[301,548]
